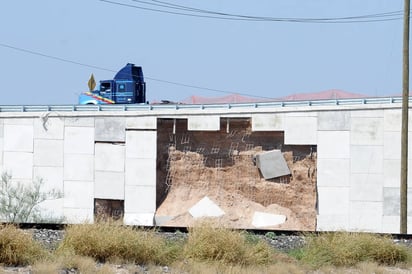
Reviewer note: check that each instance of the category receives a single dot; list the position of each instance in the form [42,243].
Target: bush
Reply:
[18,247]
[111,242]
[213,243]
[348,249]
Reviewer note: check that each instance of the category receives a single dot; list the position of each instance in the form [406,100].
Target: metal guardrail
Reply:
[146,107]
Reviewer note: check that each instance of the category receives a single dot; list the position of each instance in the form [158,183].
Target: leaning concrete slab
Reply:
[272,164]
[205,208]
[263,219]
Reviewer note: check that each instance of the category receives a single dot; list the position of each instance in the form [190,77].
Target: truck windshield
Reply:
[105,86]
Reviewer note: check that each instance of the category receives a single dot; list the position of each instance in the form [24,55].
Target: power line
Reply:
[174,9]
[114,71]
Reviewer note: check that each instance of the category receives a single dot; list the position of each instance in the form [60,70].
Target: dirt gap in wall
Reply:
[221,166]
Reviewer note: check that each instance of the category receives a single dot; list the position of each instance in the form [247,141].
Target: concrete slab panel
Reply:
[52,177]
[392,172]
[79,122]
[18,138]
[49,128]
[268,122]
[373,113]
[272,164]
[78,194]
[203,123]
[1,150]
[391,201]
[143,219]
[333,172]
[333,145]
[366,187]
[367,131]
[48,152]
[78,167]
[140,199]
[263,219]
[392,119]
[52,211]
[109,157]
[1,128]
[18,164]
[332,222]
[333,200]
[140,172]
[18,121]
[365,216]
[110,129]
[367,159]
[300,130]
[392,145]
[141,144]
[391,224]
[109,185]
[79,140]
[334,120]
[206,208]
[78,215]
[141,122]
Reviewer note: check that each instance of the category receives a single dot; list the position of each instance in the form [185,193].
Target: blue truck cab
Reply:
[127,87]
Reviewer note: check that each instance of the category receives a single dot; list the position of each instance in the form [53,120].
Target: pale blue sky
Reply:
[268,59]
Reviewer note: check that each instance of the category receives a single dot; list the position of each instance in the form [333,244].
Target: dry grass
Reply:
[110,242]
[349,249]
[18,247]
[208,242]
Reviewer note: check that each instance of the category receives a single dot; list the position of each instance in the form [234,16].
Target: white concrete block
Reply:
[1,150]
[367,131]
[366,187]
[51,210]
[332,222]
[49,128]
[109,185]
[367,159]
[333,200]
[206,208]
[333,145]
[141,144]
[110,129]
[78,194]
[365,216]
[301,130]
[79,122]
[140,199]
[146,122]
[1,128]
[18,121]
[52,177]
[203,123]
[78,167]
[262,219]
[392,173]
[79,140]
[391,201]
[140,172]
[18,138]
[18,164]
[333,172]
[334,120]
[373,113]
[48,152]
[109,157]
[268,122]
[78,215]
[143,219]
[392,145]
[392,120]
[391,224]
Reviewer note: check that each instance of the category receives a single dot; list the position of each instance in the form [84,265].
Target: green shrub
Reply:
[207,242]
[348,249]
[18,247]
[108,241]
